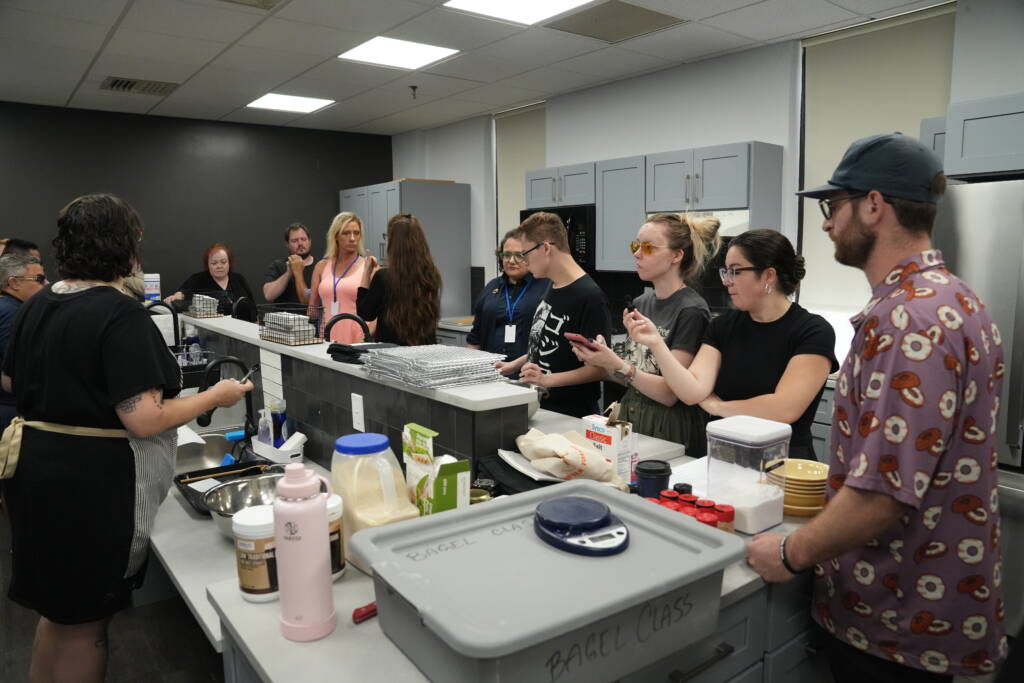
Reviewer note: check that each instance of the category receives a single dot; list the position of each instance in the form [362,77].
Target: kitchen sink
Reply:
[202,456]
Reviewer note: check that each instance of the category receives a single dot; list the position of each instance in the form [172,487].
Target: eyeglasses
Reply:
[509,255]
[645,247]
[728,275]
[524,254]
[41,278]
[828,206]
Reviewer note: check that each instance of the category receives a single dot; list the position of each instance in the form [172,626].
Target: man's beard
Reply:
[854,246]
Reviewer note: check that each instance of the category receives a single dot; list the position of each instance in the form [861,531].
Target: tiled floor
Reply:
[156,643]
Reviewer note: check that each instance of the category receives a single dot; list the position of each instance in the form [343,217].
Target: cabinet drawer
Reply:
[796,662]
[737,644]
[449,338]
[789,609]
[754,674]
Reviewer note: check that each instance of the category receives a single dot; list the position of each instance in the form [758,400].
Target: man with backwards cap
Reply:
[906,554]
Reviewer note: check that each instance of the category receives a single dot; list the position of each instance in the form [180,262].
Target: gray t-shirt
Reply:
[680,318]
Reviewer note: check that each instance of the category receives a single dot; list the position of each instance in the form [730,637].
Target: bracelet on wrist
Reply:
[785,560]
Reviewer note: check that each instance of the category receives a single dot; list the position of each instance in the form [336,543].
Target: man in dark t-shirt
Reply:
[286,280]
[574,304]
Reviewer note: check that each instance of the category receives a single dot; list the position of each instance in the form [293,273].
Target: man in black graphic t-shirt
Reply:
[574,304]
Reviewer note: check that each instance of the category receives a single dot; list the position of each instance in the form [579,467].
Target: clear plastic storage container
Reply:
[740,451]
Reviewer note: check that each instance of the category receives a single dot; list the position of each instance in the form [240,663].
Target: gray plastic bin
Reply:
[474,595]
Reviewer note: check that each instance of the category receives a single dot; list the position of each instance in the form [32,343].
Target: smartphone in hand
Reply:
[582,341]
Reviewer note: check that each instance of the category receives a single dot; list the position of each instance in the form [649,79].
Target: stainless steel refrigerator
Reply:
[980,230]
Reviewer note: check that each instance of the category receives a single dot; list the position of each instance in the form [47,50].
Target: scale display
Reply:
[580,525]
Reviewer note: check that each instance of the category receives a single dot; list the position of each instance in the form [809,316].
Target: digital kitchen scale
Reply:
[580,525]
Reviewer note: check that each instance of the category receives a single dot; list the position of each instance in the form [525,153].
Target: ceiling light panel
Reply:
[521,11]
[403,54]
[302,105]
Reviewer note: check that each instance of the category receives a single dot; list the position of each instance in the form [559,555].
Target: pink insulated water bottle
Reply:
[303,558]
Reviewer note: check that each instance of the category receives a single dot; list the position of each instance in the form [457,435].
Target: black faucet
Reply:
[174,315]
[347,316]
[250,419]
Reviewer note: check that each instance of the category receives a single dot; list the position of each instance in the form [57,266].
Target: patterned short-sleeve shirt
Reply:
[914,417]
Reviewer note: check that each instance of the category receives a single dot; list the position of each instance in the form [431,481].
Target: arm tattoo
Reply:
[128,405]
[158,398]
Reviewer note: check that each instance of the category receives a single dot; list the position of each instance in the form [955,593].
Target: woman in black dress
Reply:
[81,506]
[218,279]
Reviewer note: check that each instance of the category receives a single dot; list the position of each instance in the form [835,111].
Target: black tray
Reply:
[249,468]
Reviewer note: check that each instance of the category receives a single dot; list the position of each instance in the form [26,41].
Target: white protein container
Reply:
[253,528]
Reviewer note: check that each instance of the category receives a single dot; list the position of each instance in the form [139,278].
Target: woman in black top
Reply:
[405,297]
[218,280]
[82,354]
[768,358]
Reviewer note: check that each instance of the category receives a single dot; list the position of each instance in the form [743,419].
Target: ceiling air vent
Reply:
[137,86]
[615,21]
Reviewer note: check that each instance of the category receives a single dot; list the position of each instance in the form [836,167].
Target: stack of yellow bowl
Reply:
[804,484]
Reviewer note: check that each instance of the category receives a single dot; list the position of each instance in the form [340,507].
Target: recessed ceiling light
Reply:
[401,53]
[294,103]
[520,11]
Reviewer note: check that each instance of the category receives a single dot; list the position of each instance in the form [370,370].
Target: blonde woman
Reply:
[337,277]
[670,250]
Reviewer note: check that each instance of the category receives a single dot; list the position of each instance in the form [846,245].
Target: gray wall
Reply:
[988,49]
[193,182]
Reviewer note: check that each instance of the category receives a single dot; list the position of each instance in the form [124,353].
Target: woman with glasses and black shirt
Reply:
[670,250]
[767,358]
[504,310]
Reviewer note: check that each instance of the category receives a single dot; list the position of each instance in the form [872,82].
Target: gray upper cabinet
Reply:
[562,186]
[669,181]
[933,134]
[721,177]
[985,137]
[620,211]
[443,210]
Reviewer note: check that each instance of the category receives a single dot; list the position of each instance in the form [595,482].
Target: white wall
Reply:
[751,95]
[463,152]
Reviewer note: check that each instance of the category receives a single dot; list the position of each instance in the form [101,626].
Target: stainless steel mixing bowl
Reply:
[224,500]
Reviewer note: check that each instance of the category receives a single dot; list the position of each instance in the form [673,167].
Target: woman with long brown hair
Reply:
[405,297]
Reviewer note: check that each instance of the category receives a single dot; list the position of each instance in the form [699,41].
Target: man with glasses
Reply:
[21,276]
[505,307]
[574,304]
[906,555]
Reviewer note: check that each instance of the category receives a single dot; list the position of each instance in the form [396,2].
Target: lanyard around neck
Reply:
[339,278]
[510,306]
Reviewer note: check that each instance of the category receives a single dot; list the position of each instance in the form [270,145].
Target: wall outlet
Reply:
[358,419]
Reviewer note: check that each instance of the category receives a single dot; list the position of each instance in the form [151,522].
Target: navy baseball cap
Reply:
[895,164]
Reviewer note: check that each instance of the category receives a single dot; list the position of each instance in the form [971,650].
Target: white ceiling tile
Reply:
[427,116]
[298,36]
[194,108]
[344,71]
[280,64]
[693,10]
[265,117]
[19,83]
[540,46]
[16,53]
[218,82]
[818,30]
[376,103]
[499,96]
[91,97]
[550,80]
[382,127]
[324,88]
[96,11]
[612,62]
[369,16]
[110,64]
[871,7]
[430,86]
[229,6]
[477,67]
[682,43]
[159,46]
[50,29]
[775,18]
[177,18]
[446,28]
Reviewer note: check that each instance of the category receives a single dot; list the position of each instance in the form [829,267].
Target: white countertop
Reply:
[647,447]
[475,397]
[450,324]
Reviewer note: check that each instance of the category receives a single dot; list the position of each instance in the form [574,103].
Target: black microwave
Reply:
[581,224]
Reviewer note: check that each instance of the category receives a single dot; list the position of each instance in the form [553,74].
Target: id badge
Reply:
[334,308]
[510,334]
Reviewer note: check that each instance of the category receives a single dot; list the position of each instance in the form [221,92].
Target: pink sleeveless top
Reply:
[341,286]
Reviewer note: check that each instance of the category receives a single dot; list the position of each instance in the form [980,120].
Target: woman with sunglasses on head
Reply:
[767,358]
[336,278]
[670,250]
[404,298]
[504,310]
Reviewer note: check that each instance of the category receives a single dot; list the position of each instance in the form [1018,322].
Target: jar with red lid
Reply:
[669,495]
[709,518]
[726,517]
[705,504]
[687,499]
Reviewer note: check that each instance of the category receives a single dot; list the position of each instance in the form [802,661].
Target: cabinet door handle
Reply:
[686,192]
[696,188]
[554,189]
[722,650]
[561,188]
